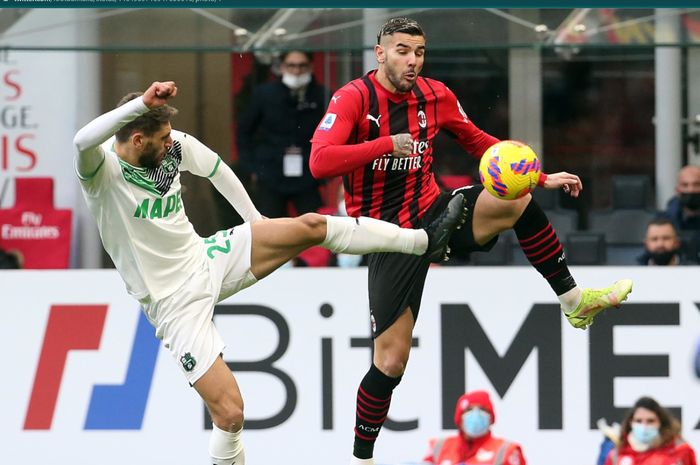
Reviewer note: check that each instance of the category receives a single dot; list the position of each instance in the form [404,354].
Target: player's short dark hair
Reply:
[149,123]
[309,56]
[405,25]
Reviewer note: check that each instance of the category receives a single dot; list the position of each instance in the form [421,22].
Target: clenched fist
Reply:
[403,145]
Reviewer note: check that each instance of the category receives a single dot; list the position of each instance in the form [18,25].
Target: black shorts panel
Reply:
[396,280]
[395,283]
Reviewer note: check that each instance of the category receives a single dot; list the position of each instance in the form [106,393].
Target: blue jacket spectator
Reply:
[684,208]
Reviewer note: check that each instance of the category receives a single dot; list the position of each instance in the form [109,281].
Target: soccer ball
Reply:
[509,170]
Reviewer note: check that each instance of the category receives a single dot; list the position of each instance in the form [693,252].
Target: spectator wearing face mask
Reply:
[662,246]
[274,134]
[650,435]
[684,208]
[474,444]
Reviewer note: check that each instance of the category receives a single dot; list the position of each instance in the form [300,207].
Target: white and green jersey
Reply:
[141,218]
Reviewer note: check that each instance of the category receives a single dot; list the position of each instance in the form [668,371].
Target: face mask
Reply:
[646,434]
[294,81]
[691,201]
[662,257]
[476,422]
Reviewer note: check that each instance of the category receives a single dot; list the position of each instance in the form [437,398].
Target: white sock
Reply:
[356,461]
[364,235]
[226,448]
[570,299]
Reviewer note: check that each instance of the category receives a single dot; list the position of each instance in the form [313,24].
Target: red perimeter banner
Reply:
[34,227]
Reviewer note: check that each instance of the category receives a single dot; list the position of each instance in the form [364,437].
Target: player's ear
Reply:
[137,139]
[379,53]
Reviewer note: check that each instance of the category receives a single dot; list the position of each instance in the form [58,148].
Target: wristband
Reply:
[542,179]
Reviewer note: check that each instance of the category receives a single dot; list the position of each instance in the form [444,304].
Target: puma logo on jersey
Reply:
[372,118]
[335,98]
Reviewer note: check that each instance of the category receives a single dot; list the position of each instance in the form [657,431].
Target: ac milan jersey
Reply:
[353,140]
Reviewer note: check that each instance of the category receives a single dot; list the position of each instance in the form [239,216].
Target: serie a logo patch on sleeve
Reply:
[327,122]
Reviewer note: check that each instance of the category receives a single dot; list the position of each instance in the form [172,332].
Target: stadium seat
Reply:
[624,232]
[624,255]
[631,192]
[623,227]
[585,248]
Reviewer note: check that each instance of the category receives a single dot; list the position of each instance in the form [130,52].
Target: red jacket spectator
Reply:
[650,435]
[677,452]
[474,445]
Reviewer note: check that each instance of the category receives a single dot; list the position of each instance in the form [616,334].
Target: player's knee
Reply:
[227,414]
[393,364]
[315,223]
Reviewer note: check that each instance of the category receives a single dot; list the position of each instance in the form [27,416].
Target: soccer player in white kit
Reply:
[128,162]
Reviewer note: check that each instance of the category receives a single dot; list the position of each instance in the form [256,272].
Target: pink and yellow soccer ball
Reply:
[509,169]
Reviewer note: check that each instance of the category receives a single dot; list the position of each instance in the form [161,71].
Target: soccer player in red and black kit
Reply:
[378,133]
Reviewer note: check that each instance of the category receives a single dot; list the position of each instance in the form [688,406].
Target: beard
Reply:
[150,158]
[395,78]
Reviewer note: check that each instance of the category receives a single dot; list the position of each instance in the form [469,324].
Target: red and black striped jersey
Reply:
[353,140]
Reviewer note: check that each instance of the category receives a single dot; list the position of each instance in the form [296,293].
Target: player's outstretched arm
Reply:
[228,184]
[569,182]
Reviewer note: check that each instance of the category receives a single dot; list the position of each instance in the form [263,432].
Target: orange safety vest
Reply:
[494,451]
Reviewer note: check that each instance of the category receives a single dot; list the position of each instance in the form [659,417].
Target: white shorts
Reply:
[183,320]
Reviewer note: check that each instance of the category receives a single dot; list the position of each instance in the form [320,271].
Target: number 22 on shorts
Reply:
[224,246]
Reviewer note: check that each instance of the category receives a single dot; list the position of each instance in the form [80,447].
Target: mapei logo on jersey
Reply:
[146,209]
[327,122]
[112,406]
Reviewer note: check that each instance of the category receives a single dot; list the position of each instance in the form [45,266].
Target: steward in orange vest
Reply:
[474,445]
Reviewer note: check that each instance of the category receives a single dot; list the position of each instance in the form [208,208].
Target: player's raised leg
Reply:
[276,241]
[541,245]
